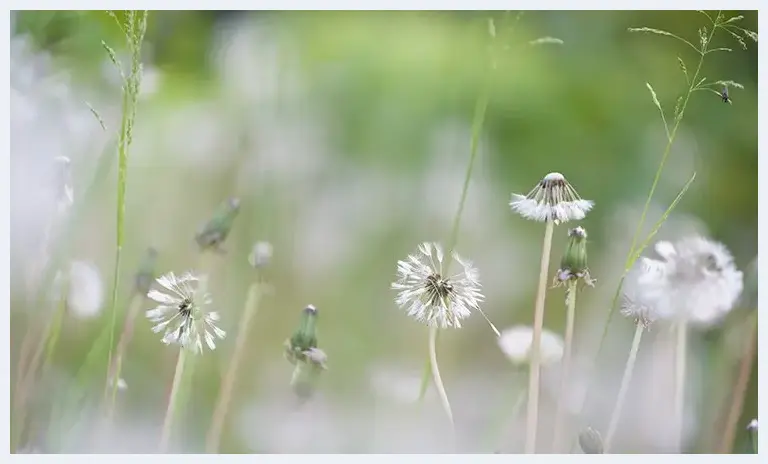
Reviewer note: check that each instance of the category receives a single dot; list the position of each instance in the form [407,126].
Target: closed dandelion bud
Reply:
[216,230]
[146,272]
[590,441]
[573,265]
[304,338]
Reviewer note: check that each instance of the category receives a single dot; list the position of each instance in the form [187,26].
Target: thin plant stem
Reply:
[514,410]
[436,374]
[122,345]
[740,388]
[624,388]
[570,303]
[58,320]
[532,421]
[227,384]
[681,355]
[172,398]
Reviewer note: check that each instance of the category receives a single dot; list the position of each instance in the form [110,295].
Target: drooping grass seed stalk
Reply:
[694,83]
[629,368]
[678,404]
[134,28]
[258,259]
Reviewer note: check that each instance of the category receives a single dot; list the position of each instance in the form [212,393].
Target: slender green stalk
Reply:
[513,409]
[625,379]
[740,387]
[58,320]
[681,355]
[570,303]
[136,27]
[532,422]
[172,401]
[436,375]
[227,384]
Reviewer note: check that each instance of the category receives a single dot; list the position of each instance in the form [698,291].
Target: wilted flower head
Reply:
[430,295]
[695,281]
[553,199]
[516,344]
[573,265]
[183,313]
[260,254]
[82,288]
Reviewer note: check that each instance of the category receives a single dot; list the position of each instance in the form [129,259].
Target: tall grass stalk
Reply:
[740,388]
[532,421]
[629,368]
[694,83]
[134,28]
[570,319]
[681,358]
[225,392]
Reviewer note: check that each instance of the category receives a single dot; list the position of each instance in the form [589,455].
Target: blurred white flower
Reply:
[260,254]
[516,343]
[430,295]
[752,425]
[183,313]
[553,199]
[82,288]
[695,281]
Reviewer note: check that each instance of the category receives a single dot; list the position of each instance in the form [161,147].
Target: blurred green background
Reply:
[346,136]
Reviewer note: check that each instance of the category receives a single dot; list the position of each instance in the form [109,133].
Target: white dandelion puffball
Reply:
[515,342]
[83,289]
[429,294]
[260,254]
[553,199]
[695,281]
[182,313]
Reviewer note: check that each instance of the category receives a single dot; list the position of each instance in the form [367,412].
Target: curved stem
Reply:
[227,384]
[570,300]
[436,374]
[532,422]
[170,412]
[626,378]
[681,354]
[740,389]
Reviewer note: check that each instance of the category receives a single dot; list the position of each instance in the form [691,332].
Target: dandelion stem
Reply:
[227,384]
[681,355]
[122,346]
[538,323]
[624,388]
[436,374]
[170,412]
[740,388]
[570,302]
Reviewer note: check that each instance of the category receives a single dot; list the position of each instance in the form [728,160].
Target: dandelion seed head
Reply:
[260,255]
[430,294]
[182,313]
[515,342]
[695,281]
[553,199]
[82,288]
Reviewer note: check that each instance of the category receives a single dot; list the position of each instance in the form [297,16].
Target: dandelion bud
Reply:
[145,275]
[260,254]
[304,338]
[307,373]
[590,441]
[752,428]
[573,265]
[216,230]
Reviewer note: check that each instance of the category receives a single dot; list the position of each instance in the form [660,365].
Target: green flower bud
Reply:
[304,338]
[145,275]
[590,441]
[216,230]
[573,265]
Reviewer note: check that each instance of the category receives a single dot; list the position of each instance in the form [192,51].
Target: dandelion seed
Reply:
[553,199]
[695,281]
[182,313]
[432,296]
[515,342]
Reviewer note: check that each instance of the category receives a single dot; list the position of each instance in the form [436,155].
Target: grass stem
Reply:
[681,355]
[624,388]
